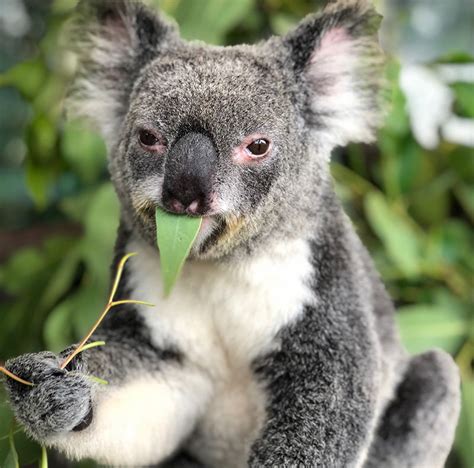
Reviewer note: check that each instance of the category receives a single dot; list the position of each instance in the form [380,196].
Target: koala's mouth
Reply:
[212,228]
[217,230]
[225,234]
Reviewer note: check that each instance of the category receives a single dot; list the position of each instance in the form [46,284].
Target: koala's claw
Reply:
[59,401]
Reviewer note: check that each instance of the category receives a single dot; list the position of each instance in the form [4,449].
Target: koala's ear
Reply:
[338,62]
[114,40]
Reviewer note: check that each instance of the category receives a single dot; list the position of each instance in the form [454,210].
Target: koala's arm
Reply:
[322,383]
[148,408]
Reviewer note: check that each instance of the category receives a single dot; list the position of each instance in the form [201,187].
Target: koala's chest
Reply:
[224,316]
[220,340]
[221,318]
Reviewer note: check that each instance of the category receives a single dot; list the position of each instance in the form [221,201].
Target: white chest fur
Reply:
[230,311]
[221,317]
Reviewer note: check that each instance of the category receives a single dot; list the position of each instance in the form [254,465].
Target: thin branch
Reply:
[83,344]
[44,458]
[98,380]
[131,301]
[15,377]
[16,431]
[94,344]
[109,306]
[118,275]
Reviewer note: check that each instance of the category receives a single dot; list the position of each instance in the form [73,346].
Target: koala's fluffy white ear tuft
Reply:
[114,40]
[336,57]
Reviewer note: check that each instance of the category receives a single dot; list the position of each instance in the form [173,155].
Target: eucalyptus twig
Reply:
[108,306]
[83,345]
[16,431]
[97,380]
[44,458]
[15,377]
[91,377]
[94,344]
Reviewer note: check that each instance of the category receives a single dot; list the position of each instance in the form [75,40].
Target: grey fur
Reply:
[58,402]
[340,390]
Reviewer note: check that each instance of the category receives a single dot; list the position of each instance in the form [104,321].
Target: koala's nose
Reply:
[189,171]
[192,200]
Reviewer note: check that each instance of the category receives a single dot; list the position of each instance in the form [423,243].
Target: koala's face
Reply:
[209,132]
[238,135]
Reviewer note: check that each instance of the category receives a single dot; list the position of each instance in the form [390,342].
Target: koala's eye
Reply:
[150,141]
[147,138]
[254,149]
[258,147]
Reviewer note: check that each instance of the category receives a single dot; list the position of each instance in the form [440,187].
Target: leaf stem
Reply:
[44,458]
[118,275]
[131,301]
[13,453]
[16,431]
[98,380]
[82,345]
[15,377]
[94,344]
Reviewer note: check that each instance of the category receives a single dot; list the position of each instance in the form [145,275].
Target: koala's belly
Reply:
[231,423]
[221,343]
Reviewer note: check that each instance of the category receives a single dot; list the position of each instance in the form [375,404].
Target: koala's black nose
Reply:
[190,200]
[190,168]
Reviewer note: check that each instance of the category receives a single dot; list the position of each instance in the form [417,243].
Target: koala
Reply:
[278,345]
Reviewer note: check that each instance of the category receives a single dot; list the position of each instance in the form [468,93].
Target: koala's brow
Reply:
[192,124]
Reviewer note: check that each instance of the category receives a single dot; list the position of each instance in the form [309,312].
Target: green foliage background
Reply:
[414,208]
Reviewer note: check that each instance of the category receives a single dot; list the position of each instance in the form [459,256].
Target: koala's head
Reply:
[240,135]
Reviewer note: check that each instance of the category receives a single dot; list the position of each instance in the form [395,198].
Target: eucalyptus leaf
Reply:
[221,14]
[57,329]
[175,236]
[465,430]
[6,418]
[28,450]
[84,150]
[12,458]
[426,326]
[396,232]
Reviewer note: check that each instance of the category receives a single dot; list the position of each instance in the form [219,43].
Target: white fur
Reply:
[218,309]
[221,317]
[342,99]
[98,98]
[142,421]
[148,191]
[101,108]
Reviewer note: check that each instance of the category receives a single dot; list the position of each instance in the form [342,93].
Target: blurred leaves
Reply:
[398,236]
[216,17]
[63,276]
[84,151]
[434,325]
[11,461]
[465,429]
[413,208]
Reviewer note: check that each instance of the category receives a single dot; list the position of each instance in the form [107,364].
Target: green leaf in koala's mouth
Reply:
[175,236]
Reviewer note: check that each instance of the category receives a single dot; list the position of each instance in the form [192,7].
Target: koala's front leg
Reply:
[322,388]
[60,401]
[141,417]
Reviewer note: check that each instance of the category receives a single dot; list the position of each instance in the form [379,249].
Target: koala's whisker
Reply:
[144,206]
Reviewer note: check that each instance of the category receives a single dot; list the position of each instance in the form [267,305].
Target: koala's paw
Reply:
[59,401]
